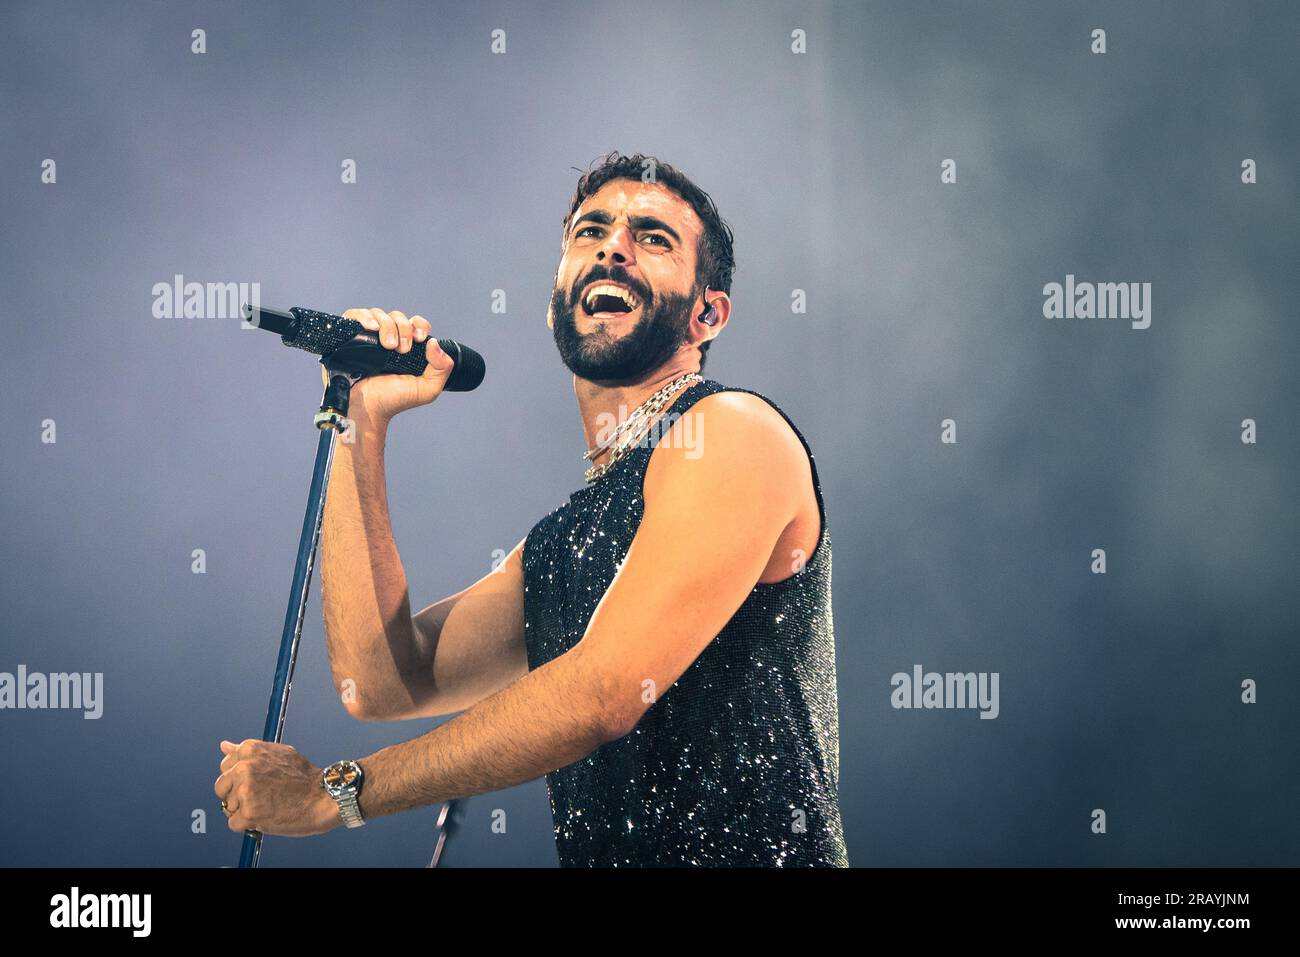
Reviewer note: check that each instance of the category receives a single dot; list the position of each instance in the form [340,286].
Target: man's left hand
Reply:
[273,789]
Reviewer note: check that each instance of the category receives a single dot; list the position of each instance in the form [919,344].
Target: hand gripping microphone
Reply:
[347,346]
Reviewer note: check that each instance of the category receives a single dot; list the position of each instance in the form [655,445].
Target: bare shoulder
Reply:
[733,437]
[750,429]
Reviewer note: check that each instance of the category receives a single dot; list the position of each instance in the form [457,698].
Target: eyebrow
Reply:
[637,222]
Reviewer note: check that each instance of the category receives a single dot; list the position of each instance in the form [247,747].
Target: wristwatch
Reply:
[343,780]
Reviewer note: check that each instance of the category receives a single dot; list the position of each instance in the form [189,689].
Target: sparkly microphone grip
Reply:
[351,347]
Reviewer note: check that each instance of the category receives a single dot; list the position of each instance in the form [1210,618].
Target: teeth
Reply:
[609,289]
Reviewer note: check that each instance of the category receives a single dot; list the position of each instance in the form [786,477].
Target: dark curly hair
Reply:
[714,259]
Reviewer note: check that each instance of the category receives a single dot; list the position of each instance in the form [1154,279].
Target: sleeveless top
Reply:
[737,763]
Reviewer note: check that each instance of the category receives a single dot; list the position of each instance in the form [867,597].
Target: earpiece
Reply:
[708,317]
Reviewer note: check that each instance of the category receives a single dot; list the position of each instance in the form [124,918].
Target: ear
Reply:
[721,304]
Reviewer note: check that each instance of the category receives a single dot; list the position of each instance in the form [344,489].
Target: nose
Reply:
[617,248]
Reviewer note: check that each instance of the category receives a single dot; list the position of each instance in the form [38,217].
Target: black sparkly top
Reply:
[736,764]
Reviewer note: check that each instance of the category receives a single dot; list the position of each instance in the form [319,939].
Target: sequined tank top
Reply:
[737,763]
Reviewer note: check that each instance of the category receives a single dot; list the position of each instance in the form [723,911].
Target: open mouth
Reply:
[609,300]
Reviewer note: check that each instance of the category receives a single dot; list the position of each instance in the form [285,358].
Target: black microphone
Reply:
[351,347]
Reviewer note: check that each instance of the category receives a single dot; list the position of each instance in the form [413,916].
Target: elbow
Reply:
[615,705]
[618,719]
[387,702]
[360,712]
[361,708]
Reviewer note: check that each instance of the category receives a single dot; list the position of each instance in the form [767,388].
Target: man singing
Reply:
[660,646]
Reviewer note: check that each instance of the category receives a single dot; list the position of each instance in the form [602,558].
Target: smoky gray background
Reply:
[1119,692]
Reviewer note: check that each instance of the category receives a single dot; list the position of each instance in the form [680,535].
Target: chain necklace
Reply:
[632,429]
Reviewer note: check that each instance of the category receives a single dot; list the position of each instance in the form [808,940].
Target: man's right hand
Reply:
[379,398]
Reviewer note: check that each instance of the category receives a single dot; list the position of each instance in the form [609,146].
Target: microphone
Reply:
[352,348]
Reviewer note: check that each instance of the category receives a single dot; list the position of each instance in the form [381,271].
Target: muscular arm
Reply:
[386,663]
[708,530]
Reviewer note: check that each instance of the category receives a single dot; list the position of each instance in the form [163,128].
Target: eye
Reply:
[661,238]
[585,229]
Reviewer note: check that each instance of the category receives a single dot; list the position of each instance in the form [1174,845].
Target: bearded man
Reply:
[660,646]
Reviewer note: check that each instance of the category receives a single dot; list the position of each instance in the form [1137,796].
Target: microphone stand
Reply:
[331,419]
[345,364]
[446,824]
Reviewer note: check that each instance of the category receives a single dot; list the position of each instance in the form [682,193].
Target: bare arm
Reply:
[475,640]
[386,663]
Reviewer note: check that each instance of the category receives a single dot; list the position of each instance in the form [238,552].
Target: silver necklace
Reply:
[632,429]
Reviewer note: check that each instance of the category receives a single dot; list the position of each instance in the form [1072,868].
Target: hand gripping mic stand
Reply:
[345,365]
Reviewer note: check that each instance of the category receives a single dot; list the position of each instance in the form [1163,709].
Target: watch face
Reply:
[342,775]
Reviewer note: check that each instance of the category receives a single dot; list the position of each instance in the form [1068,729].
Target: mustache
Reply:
[613,274]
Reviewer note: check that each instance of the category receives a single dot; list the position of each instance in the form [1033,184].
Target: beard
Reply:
[601,357]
